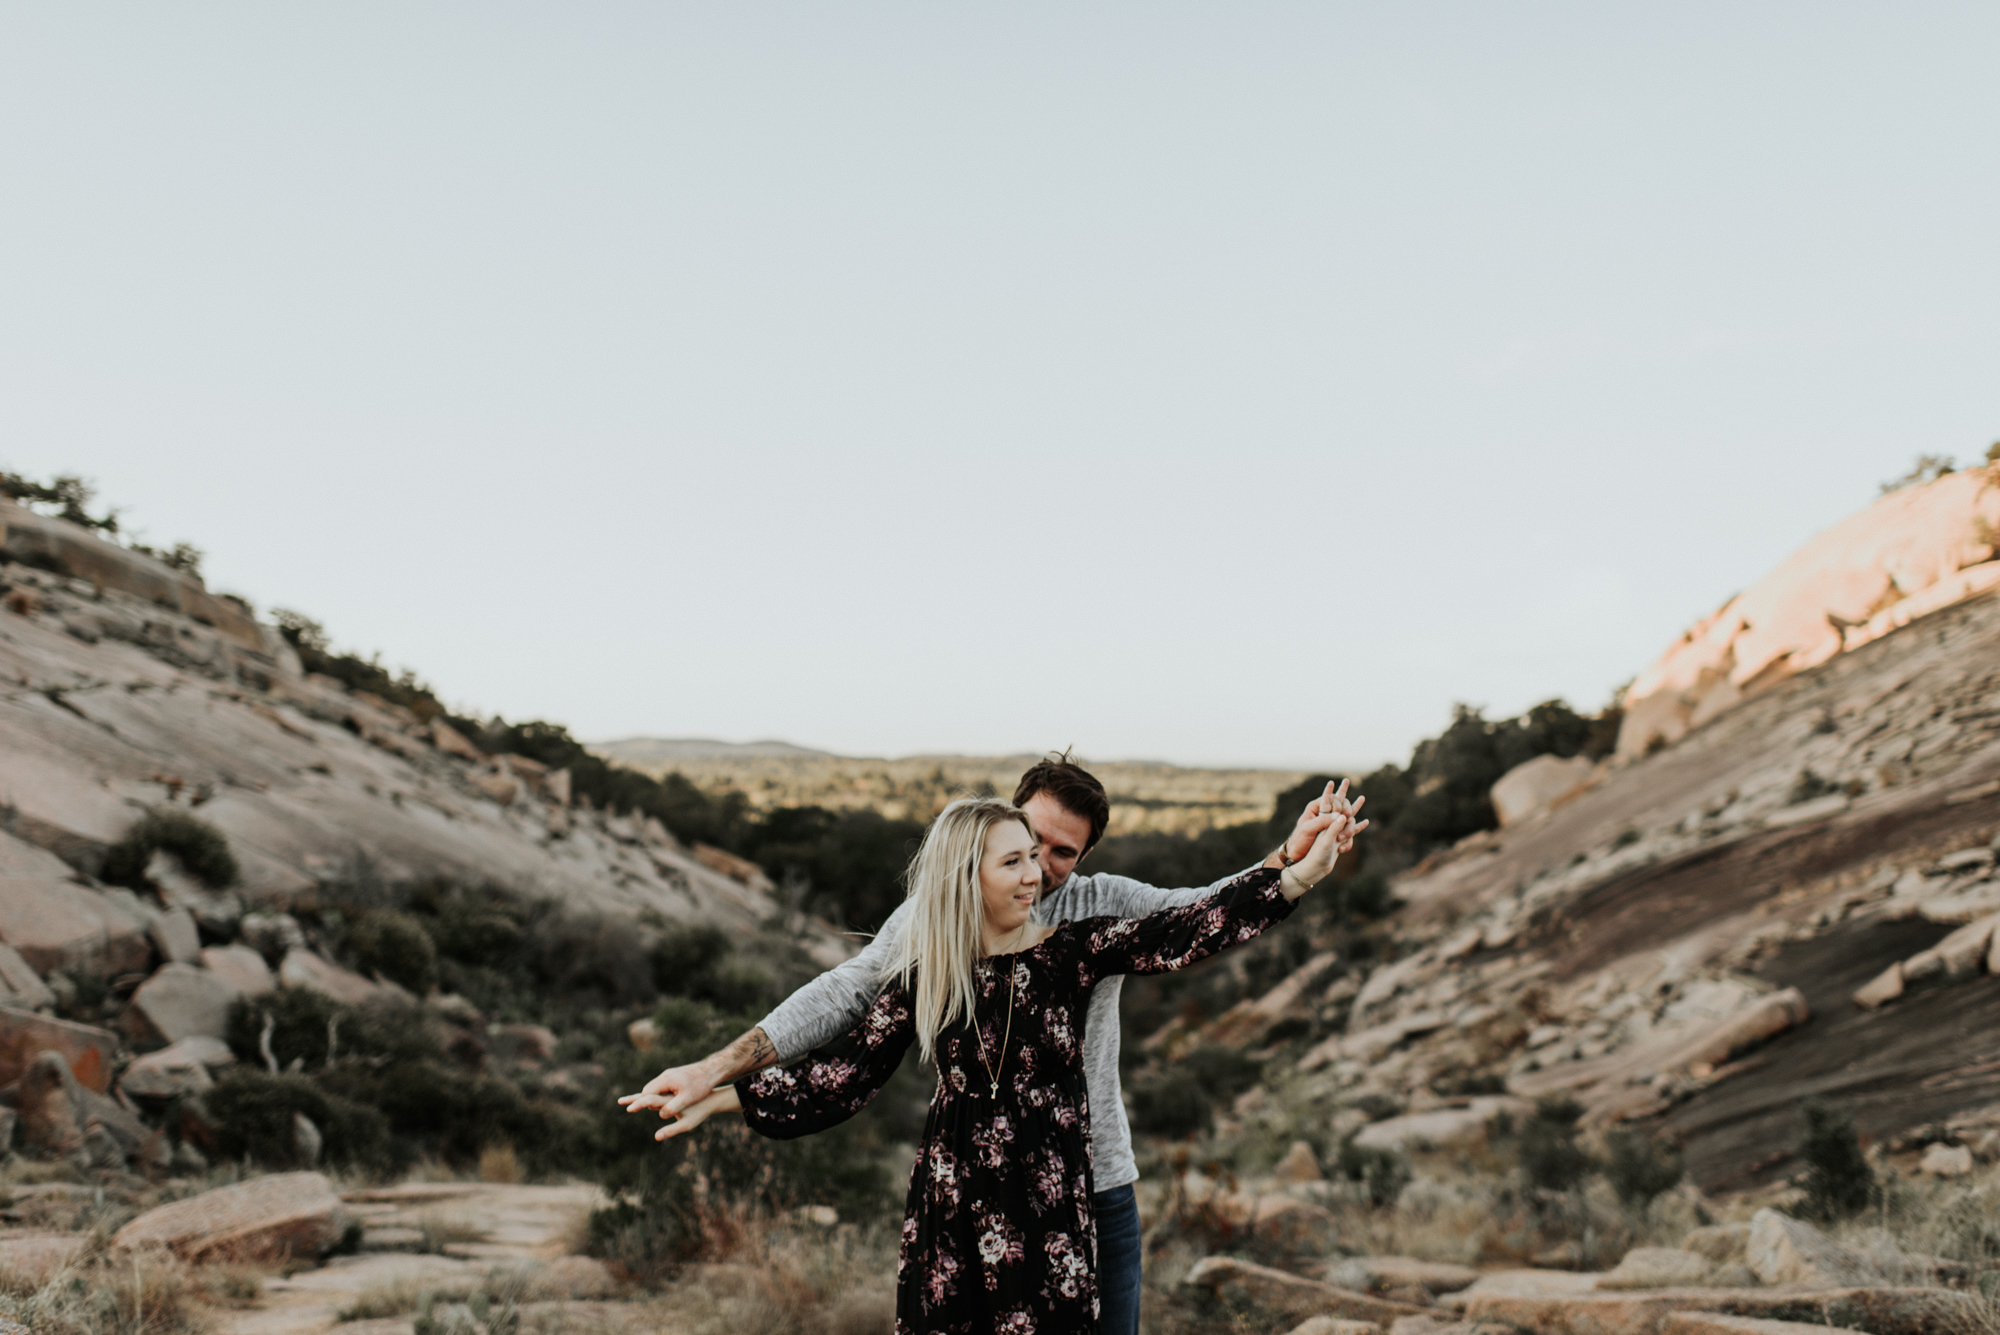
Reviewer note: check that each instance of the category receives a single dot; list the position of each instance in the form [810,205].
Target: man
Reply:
[1069,811]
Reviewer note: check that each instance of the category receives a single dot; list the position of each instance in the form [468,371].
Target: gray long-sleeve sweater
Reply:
[830,1004]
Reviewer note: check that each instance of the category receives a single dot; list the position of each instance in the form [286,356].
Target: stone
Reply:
[557,787]
[88,1051]
[240,967]
[1536,785]
[1783,1250]
[282,1217]
[1445,1128]
[1378,1273]
[56,925]
[272,935]
[1277,1221]
[1720,1243]
[218,911]
[453,742]
[1964,860]
[1884,988]
[306,1140]
[174,935]
[1333,1325]
[20,986]
[1657,1268]
[176,1070]
[528,1043]
[180,1001]
[1942,1160]
[303,969]
[1300,1164]
[643,1034]
[51,1119]
[37,1257]
[1290,1295]
[1882,1311]
[1959,956]
[1719,1323]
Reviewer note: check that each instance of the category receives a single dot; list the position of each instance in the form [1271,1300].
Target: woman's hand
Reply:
[722,1100]
[1332,841]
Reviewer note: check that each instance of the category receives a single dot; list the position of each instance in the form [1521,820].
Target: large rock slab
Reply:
[39,1256]
[175,936]
[1443,1128]
[1536,785]
[1718,1323]
[178,1069]
[20,986]
[1657,1268]
[180,1001]
[57,925]
[1783,1250]
[1289,1295]
[286,1216]
[1881,1311]
[89,1052]
[1399,1272]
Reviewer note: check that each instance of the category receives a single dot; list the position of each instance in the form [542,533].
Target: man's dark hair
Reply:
[1073,787]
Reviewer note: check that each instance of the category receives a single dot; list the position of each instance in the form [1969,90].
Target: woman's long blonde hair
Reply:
[935,955]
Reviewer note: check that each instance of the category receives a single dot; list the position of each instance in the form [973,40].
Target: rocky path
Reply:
[448,1237]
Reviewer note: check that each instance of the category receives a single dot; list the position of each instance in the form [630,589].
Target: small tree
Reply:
[1927,468]
[1838,1180]
[1550,1155]
[1639,1168]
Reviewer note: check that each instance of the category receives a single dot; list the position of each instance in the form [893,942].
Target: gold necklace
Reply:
[993,1076]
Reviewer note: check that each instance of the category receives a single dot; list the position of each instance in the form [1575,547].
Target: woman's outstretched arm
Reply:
[835,1081]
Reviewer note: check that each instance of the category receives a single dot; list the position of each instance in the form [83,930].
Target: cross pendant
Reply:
[996,1089]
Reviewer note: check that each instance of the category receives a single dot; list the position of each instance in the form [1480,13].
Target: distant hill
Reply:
[643,751]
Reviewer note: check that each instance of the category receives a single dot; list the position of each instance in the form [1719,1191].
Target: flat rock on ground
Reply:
[1882,1311]
[1716,1323]
[1291,1295]
[286,1216]
[37,1256]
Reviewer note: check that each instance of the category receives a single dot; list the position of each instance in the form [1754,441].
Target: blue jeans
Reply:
[1118,1259]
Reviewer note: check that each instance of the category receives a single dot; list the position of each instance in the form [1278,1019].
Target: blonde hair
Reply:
[940,944]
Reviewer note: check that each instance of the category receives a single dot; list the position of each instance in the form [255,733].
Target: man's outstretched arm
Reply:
[826,1006]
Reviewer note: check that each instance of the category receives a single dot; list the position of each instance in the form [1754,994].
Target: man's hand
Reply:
[678,1088]
[1320,813]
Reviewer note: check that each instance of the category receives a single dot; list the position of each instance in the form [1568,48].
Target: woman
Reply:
[998,1233]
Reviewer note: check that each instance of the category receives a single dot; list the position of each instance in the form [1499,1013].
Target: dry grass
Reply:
[499,1163]
[133,1295]
[441,1228]
[786,1280]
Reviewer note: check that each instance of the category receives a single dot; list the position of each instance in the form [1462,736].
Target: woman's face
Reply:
[1010,877]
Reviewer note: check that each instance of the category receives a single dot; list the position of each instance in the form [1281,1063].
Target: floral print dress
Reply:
[998,1234]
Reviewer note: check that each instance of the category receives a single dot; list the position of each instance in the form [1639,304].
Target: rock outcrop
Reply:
[286,1216]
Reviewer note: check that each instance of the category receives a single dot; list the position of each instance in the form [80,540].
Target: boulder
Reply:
[51,1120]
[174,935]
[1441,1128]
[87,1051]
[498,785]
[1783,1250]
[301,968]
[218,911]
[1657,1268]
[20,986]
[1276,1221]
[644,1034]
[1299,1165]
[180,1001]
[1959,956]
[1942,1160]
[179,1069]
[1289,1295]
[286,1216]
[56,925]
[528,1043]
[453,742]
[1720,1243]
[1884,988]
[1333,1325]
[1536,785]
[240,967]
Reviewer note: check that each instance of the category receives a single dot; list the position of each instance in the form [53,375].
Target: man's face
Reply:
[1064,836]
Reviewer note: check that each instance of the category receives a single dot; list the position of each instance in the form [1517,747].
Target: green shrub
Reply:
[310,1029]
[396,946]
[1173,1105]
[1384,1172]
[253,1112]
[1639,1168]
[202,849]
[701,964]
[1838,1180]
[1550,1156]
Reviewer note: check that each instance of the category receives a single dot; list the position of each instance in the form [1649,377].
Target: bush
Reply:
[1550,1155]
[1639,1168]
[701,964]
[1838,1181]
[396,946]
[253,1112]
[1385,1172]
[201,848]
[1173,1105]
[309,1031]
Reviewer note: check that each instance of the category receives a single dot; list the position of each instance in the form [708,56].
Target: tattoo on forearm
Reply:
[752,1052]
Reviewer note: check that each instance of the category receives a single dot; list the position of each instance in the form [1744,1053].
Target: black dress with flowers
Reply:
[998,1234]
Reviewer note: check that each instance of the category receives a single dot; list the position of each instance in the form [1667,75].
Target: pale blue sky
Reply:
[1219,383]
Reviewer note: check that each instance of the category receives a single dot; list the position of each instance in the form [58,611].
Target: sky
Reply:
[1223,384]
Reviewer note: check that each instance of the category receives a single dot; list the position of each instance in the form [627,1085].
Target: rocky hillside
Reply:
[1784,888]
[129,687]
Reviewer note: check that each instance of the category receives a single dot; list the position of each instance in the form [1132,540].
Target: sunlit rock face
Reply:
[1911,553]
